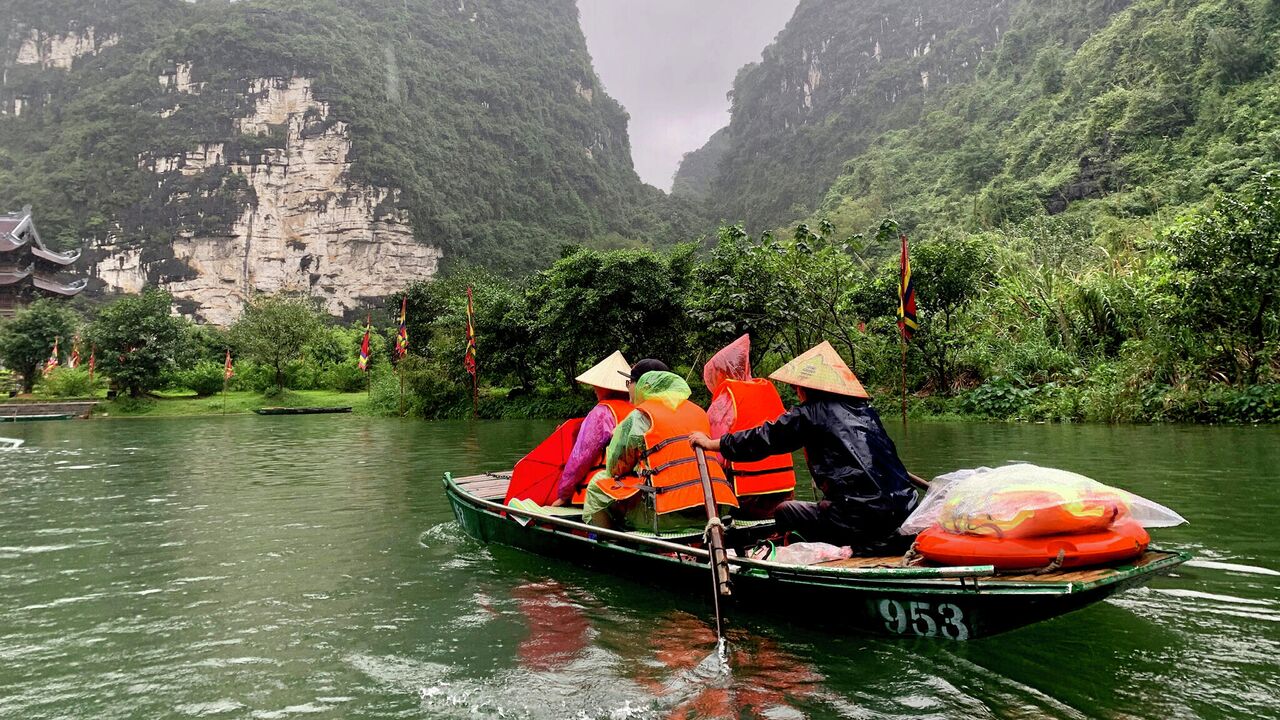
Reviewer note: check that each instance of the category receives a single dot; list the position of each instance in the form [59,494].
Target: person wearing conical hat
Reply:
[867,492]
[613,404]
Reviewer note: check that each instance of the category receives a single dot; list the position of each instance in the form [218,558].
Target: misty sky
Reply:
[671,62]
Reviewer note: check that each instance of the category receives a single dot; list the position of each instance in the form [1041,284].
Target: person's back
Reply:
[856,461]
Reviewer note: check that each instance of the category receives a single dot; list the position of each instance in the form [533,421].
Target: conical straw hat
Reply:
[821,368]
[605,373]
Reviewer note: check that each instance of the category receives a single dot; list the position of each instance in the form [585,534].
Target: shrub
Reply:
[67,382]
[204,378]
[344,377]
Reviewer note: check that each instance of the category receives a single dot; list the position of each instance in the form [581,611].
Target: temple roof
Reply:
[53,286]
[18,229]
[11,276]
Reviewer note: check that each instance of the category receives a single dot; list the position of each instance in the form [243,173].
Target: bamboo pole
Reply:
[719,560]
[903,342]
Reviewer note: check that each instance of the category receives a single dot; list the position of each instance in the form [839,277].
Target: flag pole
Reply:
[226,378]
[903,341]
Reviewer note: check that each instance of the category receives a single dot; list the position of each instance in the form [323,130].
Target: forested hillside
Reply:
[1089,187]
[474,128]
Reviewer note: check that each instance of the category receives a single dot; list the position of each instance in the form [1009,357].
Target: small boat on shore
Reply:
[36,418]
[868,594]
[301,410]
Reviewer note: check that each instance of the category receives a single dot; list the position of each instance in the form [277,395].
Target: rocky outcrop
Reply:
[53,50]
[305,226]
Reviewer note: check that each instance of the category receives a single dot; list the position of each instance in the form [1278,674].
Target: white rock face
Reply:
[311,231]
[59,51]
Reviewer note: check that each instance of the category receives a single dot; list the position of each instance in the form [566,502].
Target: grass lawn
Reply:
[237,403]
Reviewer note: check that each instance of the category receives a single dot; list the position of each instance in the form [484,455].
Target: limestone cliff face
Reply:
[838,75]
[59,50]
[340,149]
[303,227]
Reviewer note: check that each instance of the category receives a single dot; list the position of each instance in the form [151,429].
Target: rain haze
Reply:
[671,63]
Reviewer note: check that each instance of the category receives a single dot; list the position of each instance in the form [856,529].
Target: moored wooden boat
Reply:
[301,410]
[869,594]
[36,418]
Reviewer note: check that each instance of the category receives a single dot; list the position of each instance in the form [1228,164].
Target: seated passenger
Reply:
[740,402]
[651,478]
[867,491]
[608,378]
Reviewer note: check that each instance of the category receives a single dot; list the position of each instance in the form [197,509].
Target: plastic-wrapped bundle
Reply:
[1023,500]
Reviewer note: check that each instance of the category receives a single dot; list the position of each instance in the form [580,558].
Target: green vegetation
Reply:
[275,330]
[238,402]
[27,340]
[138,340]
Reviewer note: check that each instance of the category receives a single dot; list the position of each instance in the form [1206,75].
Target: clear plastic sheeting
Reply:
[1024,500]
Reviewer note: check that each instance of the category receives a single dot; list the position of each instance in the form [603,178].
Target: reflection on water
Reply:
[290,567]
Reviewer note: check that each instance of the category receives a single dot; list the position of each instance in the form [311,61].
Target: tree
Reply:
[1229,258]
[591,303]
[948,275]
[27,339]
[274,329]
[138,339]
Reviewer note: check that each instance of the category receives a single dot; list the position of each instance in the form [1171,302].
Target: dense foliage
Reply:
[138,340]
[275,330]
[27,340]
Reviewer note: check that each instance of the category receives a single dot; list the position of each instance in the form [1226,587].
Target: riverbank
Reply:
[241,402]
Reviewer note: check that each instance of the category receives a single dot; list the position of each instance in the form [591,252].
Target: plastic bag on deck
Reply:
[1024,500]
[809,553]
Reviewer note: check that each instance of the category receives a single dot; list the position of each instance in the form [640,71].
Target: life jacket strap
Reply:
[766,471]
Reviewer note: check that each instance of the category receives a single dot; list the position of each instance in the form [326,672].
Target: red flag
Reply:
[470,360]
[402,335]
[74,360]
[93,360]
[52,362]
[227,370]
[364,345]
[906,295]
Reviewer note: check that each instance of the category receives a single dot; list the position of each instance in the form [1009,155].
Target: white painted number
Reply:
[953,622]
[920,614]
[923,619]
[895,620]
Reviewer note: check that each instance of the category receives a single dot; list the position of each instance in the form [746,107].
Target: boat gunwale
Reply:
[977,579]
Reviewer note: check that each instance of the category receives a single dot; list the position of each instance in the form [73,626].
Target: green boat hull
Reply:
[35,418]
[895,601]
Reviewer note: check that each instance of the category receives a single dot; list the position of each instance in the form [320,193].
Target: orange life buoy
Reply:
[1124,541]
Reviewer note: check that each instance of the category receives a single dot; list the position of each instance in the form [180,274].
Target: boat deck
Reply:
[493,487]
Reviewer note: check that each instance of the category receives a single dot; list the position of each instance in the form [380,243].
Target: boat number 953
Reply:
[924,619]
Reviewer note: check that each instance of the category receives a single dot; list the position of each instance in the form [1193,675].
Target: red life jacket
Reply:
[669,468]
[756,402]
[620,409]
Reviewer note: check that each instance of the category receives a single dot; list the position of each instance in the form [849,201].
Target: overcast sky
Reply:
[671,62]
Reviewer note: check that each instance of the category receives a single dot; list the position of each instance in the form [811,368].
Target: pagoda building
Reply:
[28,268]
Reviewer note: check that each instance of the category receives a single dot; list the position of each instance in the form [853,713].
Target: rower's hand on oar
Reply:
[558,502]
[700,440]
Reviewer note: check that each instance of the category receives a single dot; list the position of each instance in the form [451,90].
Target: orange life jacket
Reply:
[620,409]
[756,402]
[668,468]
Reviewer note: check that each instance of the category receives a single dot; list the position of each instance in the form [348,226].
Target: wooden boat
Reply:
[301,410]
[870,594]
[36,418]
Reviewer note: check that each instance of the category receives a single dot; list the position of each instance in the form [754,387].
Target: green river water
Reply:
[310,567]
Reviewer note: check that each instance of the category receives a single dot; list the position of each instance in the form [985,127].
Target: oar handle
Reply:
[715,530]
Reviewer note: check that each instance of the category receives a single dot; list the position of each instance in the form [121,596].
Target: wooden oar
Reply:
[918,481]
[719,561]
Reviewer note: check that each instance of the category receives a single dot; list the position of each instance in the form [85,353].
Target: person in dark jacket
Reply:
[867,492]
